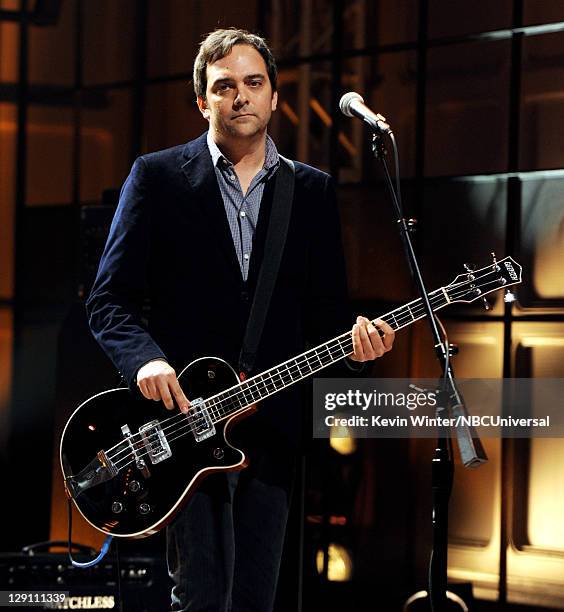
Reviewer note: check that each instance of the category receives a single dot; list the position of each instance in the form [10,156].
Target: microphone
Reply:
[352,105]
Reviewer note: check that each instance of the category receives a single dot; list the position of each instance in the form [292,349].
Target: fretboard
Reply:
[263,385]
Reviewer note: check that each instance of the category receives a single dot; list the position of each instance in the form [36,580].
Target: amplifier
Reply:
[145,585]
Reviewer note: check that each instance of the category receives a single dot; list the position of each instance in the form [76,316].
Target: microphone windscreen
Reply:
[346,100]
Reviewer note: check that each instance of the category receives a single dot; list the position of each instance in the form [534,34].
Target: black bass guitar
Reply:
[129,465]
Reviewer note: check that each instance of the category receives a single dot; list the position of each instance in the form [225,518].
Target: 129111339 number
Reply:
[31,598]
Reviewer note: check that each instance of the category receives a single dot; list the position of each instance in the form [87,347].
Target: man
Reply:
[190,229]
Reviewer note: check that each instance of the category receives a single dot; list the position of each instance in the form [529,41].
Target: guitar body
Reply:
[140,499]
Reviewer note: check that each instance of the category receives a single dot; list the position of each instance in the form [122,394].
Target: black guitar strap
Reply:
[273,249]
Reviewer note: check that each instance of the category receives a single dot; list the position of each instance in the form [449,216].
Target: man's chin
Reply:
[246,131]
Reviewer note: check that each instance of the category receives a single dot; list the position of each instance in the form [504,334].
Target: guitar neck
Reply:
[261,386]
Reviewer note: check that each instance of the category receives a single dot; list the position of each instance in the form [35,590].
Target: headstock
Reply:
[476,284]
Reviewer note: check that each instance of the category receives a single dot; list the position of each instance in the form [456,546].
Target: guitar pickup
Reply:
[200,421]
[155,442]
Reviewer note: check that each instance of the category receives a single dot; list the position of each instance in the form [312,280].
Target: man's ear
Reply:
[274,101]
[203,106]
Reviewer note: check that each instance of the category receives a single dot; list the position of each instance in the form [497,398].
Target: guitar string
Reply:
[315,352]
[259,379]
[296,366]
[251,385]
[186,426]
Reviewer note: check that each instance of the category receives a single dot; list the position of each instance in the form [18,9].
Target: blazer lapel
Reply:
[198,169]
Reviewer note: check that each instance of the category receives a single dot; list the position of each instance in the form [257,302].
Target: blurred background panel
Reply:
[467,108]
[7,195]
[176,27]
[300,28]
[109,40]
[449,18]
[542,102]
[56,39]
[302,124]
[541,234]
[180,122]
[106,127]
[50,155]
[542,11]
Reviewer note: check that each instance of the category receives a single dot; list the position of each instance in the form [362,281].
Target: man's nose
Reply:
[241,98]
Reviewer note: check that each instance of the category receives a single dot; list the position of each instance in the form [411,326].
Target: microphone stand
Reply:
[450,401]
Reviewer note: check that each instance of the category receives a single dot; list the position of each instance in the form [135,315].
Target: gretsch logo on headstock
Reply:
[511,270]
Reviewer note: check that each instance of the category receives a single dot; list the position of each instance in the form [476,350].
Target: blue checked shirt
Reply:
[242,210]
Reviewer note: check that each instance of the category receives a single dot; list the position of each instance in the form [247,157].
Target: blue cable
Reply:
[101,554]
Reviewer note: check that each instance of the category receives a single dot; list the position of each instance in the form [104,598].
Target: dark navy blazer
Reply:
[170,241]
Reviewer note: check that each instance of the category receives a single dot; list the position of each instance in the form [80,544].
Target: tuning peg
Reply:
[509,296]
[412,225]
[494,261]
[486,304]
[452,349]
[470,267]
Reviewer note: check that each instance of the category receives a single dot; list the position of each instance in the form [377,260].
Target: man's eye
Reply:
[255,83]
[223,87]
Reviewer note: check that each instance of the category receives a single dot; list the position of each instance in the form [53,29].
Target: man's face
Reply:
[239,98]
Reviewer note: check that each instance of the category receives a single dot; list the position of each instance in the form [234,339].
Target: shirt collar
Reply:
[271,158]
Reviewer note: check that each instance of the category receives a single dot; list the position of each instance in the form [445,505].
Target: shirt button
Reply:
[246,256]
[243,213]
[232,177]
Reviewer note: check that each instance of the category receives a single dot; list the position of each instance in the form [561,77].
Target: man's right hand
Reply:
[157,381]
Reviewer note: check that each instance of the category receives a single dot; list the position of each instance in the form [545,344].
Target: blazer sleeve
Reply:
[114,306]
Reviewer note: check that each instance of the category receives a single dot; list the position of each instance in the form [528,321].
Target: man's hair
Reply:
[216,45]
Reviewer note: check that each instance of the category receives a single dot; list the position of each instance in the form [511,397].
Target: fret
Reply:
[231,403]
[316,355]
[281,384]
[237,400]
[289,372]
[312,361]
[252,393]
[347,343]
[327,356]
[295,370]
[214,408]
[304,372]
[336,350]
[321,354]
[297,367]
[269,382]
[409,311]
[286,377]
[245,391]
[260,381]
[260,387]
[345,353]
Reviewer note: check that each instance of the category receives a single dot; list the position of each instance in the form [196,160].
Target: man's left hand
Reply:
[368,342]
